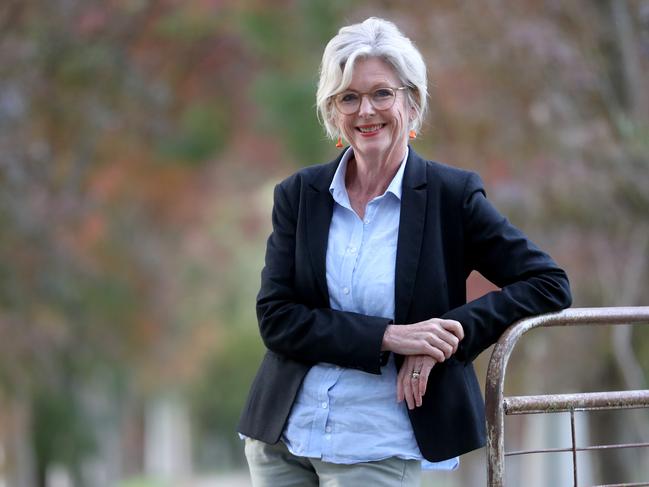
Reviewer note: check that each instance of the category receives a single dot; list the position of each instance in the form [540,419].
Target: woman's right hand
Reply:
[413,379]
[435,337]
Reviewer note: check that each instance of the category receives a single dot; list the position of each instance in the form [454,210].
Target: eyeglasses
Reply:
[348,102]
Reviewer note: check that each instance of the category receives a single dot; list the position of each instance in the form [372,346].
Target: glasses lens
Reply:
[383,98]
[348,102]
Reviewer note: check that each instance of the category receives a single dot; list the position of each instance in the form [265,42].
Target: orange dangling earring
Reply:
[339,143]
[412,134]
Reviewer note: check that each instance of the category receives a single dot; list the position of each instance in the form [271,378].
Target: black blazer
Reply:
[447,229]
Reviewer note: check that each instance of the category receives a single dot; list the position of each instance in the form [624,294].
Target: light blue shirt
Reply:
[345,415]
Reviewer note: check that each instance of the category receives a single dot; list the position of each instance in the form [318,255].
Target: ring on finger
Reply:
[415,375]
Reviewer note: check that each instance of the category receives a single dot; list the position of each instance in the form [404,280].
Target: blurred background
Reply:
[139,145]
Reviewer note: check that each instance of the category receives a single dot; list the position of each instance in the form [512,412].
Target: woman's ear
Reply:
[334,123]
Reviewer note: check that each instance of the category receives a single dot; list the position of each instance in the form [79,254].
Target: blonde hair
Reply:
[373,37]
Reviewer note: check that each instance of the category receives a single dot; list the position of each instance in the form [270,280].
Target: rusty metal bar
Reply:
[495,383]
[641,484]
[586,401]
[582,448]
[573,438]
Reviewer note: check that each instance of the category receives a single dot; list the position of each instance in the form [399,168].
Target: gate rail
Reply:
[497,405]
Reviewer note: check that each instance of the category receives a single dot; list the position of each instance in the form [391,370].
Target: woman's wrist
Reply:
[388,339]
[386,342]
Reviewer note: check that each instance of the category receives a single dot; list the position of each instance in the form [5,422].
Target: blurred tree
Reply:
[99,138]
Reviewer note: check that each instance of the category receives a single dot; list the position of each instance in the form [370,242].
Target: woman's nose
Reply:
[366,107]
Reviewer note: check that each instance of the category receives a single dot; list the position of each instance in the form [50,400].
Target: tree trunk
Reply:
[20,456]
[635,84]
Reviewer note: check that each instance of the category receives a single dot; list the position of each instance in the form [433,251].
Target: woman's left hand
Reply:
[412,388]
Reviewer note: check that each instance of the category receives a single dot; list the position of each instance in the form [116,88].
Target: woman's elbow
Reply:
[562,294]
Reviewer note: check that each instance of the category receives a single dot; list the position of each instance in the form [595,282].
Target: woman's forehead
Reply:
[372,72]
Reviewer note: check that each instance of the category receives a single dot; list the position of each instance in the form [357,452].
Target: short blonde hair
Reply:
[373,37]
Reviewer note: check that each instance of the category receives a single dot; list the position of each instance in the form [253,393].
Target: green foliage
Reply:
[61,433]
[87,65]
[303,135]
[640,342]
[286,89]
[218,397]
[321,19]
[187,25]
[262,30]
[285,38]
[142,482]
[202,131]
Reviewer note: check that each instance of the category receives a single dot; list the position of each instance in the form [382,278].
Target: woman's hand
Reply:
[413,378]
[436,338]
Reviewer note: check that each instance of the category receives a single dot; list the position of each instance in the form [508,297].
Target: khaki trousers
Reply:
[275,466]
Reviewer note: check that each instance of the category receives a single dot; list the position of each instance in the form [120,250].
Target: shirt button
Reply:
[324,405]
[366,221]
[345,290]
[352,249]
[328,429]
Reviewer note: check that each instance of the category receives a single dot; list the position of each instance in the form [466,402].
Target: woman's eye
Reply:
[349,98]
[383,93]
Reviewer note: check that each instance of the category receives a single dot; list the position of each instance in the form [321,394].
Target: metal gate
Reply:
[497,405]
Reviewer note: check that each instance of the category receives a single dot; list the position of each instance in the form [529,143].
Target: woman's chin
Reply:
[374,143]
[375,147]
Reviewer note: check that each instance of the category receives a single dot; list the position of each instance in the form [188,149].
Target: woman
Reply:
[362,305]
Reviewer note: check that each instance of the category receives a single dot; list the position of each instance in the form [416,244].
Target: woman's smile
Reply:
[370,130]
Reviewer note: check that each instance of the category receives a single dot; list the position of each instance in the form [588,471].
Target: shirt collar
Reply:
[339,191]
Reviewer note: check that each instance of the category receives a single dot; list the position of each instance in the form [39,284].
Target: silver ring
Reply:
[415,375]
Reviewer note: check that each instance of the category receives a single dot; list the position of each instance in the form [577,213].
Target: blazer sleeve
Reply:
[288,325]
[531,282]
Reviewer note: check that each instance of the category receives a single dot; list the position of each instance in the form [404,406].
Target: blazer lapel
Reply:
[411,232]
[319,208]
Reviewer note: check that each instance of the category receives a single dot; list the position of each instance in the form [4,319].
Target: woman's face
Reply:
[372,132]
